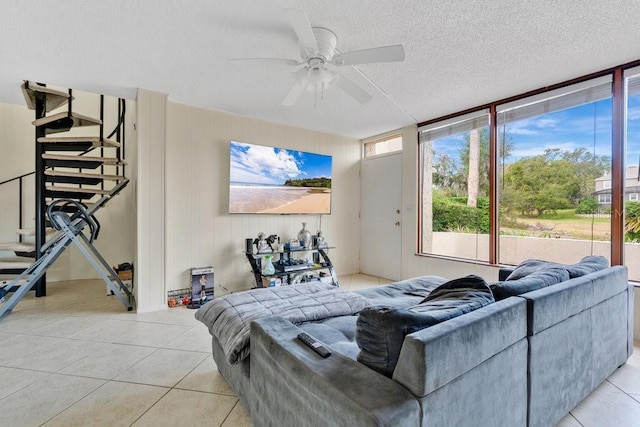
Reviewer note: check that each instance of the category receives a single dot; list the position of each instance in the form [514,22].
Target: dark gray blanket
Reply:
[228,317]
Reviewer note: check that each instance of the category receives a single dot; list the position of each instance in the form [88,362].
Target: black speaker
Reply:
[248,245]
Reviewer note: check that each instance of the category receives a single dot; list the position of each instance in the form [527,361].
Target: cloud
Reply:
[262,165]
[633,113]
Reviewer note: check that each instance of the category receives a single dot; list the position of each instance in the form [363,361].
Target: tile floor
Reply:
[78,358]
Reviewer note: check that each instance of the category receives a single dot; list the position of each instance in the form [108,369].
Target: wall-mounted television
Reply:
[272,180]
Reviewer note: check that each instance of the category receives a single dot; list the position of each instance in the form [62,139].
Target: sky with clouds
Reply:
[258,164]
[587,126]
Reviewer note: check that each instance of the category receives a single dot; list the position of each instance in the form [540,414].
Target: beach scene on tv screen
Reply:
[271,180]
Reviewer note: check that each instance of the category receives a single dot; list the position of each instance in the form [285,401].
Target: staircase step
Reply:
[100,176]
[76,190]
[90,141]
[33,91]
[64,121]
[84,162]
[18,247]
[32,231]
[72,208]
[14,265]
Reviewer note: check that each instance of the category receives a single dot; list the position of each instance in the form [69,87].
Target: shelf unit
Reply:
[285,266]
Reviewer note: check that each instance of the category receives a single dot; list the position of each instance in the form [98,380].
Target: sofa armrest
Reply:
[425,362]
[553,304]
[292,385]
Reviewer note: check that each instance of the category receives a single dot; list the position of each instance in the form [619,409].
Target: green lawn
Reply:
[566,224]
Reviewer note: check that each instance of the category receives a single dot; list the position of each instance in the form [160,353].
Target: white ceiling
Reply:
[459,54]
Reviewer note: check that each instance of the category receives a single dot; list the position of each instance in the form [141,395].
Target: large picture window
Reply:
[455,187]
[553,175]
[554,178]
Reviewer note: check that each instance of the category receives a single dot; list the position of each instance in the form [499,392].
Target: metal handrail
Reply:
[121,122]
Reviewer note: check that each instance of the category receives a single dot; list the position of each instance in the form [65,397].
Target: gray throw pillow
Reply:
[536,280]
[380,330]
[586,265]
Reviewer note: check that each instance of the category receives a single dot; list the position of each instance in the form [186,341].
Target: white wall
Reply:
[17,150]
[150,201]
[199,230]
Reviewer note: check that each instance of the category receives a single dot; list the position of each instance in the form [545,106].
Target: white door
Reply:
[380,213]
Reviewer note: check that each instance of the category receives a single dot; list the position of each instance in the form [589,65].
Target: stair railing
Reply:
[118,130]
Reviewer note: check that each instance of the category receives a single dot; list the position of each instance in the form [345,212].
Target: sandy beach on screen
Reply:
[314,202]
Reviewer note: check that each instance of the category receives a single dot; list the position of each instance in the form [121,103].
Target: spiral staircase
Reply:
[75,176]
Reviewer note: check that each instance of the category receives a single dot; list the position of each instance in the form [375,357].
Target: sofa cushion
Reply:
[531,282]
[405,293]
[380,330]
[586,265]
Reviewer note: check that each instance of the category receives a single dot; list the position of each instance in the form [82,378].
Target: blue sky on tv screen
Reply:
[258,164]
[587,126]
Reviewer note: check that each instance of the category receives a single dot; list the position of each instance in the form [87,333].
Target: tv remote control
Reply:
[314,344]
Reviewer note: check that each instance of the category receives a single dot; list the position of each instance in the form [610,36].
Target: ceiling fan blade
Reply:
[300,23]
[285,61]
[294,93]
[355,91]
[393,53]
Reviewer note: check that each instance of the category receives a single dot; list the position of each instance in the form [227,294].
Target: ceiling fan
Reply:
[320,60]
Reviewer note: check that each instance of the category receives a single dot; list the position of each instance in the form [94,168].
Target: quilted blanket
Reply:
[228,317]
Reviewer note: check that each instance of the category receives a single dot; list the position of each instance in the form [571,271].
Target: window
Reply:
[387,145]
[604,198]
[565,181]
[454,159]
[555,146]
[632,179]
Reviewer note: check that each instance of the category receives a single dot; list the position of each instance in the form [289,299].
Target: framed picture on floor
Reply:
[201,285]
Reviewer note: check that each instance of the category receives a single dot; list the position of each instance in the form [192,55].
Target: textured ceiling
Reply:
[459,54]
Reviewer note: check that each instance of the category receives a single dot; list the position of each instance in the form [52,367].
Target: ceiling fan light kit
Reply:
[318,53]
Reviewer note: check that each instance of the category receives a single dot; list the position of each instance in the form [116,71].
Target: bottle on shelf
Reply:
[304,236]
[268,265]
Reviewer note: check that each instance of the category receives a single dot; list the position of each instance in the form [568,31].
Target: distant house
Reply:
[631,187]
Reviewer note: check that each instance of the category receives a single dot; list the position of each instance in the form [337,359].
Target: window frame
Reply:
[617,154]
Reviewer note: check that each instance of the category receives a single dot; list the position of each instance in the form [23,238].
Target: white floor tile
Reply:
[607,409]
[169,348]
[201,409]
[23,324]
[68,326]
[627,377]
[44,399]
[58,355]
[20,346]
[110,361]
[568,421]
[174,316]
[150,334]
[196,338]
[205,377]
[108,330]
[163,367]
[12,380]
[239,417]
[113,404]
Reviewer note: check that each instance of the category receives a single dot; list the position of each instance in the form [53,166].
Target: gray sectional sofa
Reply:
[543,342]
